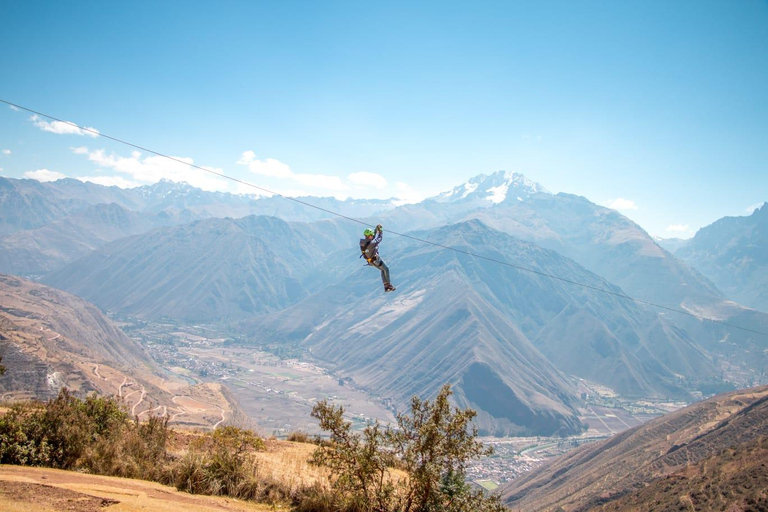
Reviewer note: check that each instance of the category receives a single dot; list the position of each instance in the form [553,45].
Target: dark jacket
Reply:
[370,248]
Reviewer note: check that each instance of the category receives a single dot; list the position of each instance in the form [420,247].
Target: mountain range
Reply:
[513,325]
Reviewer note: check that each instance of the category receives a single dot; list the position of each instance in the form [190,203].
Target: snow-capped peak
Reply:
[494,188]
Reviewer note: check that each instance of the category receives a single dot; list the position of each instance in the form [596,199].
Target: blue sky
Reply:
[661,104]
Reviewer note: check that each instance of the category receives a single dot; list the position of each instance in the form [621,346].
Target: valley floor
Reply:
[277,386]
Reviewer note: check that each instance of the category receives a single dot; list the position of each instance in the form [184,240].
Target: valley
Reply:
[275,389]
[277,385]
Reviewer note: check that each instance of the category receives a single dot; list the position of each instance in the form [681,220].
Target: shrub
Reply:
[220,463]
[138,450]
[433,444]
[299,437]
[57,433]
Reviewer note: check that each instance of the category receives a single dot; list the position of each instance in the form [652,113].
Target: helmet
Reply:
[368,232]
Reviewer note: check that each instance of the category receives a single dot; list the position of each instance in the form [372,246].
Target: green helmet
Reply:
[368,232]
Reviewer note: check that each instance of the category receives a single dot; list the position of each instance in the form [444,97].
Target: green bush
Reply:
[433,444]
[57,433]
[93,434]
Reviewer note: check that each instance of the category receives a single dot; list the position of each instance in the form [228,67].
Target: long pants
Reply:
[379,264]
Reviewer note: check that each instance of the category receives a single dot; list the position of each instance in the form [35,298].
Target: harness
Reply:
[363,249]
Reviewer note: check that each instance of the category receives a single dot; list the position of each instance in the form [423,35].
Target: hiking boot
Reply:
[388,288]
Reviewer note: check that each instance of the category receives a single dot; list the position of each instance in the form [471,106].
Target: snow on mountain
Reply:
[496,188]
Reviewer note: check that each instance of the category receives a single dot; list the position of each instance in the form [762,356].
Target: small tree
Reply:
[359,463]
[433,444]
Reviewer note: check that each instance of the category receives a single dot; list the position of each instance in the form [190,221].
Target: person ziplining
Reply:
[369,246]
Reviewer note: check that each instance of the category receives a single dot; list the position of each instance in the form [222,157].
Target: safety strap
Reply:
[363,249]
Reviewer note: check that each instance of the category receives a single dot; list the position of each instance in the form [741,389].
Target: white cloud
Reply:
[274,168]
[269,167]
[13,107]
[751,209]
[367,179]
[678,228]
[63,128]
[358,184]
[110,181]
[622,204]
[148,170]
[82,150]
[6,151]
[44,175]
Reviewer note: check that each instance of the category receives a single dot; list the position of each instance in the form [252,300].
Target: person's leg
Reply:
[384,271]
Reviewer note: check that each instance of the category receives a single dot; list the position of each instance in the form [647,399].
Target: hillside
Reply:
[735,480]
[640,465]
[733,253]
[47,248]
[485,328]
[50,339]
[199,272]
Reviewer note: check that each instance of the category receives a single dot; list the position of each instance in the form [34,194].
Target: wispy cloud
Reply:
[44,175]
[274,168]
[63,128]
[678,228]
[622,204]
[751,209]
[6,151]
[12,107]
[139,170]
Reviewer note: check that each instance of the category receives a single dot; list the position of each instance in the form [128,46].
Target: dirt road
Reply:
[26,489]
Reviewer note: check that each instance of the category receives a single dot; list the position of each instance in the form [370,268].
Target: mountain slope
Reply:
[470,322]
[602,472]
[406,345]
[734,480]
[605,242]
[733,253]
[47,248]
[50,339]
[208,270]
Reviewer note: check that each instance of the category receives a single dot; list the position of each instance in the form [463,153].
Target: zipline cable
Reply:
[331,212]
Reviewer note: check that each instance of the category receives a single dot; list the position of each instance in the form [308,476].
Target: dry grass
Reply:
[287,463]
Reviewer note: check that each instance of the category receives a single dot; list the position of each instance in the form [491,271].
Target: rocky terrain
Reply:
[706,454]
[50,339]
